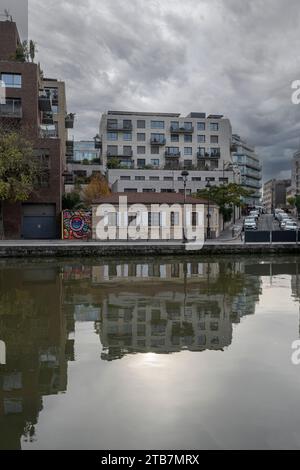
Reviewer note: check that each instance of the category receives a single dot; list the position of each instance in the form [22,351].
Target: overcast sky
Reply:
[232,57]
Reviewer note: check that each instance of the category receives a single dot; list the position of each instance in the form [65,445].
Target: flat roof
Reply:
[150,198]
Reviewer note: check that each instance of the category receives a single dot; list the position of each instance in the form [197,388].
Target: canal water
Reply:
[150,353]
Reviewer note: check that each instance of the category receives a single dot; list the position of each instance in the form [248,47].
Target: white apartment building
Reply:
[133,140]
[296,173]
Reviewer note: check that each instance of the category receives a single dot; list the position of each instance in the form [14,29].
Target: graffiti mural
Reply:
[77,225]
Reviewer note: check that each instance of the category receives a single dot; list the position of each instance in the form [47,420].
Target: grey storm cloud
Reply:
[234,57]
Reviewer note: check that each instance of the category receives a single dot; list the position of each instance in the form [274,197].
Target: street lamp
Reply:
[185,175]
[208,186]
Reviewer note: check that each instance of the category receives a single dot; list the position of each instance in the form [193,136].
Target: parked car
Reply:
[284,221]
[278,213]
[290,225]
[282,216]
[254,214]
[250,224]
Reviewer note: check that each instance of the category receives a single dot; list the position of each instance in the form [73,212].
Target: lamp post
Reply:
[208,186]
[185,175]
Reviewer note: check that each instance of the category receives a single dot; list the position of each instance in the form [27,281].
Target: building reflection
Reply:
[35,333]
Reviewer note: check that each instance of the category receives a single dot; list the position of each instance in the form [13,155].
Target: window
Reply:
[196,178]
[201,126]
[149,190]
[201,138]
[125,178]
[214,139]
[127,150]
[112,136]
[127,124]
[175,125]
[188,151]
[140,178]
[141,150]
[154,178]
[153,219]
[180,178]
[130,190]
[188,164]
[141,124]
[112,123]
[12,80]
[141,162]
[157,124]
[215,151]
[55,109]
[173,151]
[154,150]
[188,138]
[175,138]
[188,126]
[158,138]
[154,162]
[201,152]
[127,136]
[141,137]
[168,178]
[174,219]
[112,150]
[214,126]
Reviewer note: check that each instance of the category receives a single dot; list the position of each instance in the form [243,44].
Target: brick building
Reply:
[36,105]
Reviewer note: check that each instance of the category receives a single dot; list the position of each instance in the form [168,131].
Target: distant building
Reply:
[275,194]
[296,173]
[249,164]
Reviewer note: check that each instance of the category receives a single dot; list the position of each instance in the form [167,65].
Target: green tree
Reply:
[291,201]
[72,201]
[227,197]
[113,164]
[18,169]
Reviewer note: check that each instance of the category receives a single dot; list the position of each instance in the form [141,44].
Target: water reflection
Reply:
[142,306]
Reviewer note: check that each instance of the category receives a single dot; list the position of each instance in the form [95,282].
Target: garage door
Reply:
[38,221]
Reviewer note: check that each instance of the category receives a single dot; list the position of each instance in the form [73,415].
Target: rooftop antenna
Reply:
[7,15]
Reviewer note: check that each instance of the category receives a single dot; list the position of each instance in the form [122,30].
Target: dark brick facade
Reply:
[30,124]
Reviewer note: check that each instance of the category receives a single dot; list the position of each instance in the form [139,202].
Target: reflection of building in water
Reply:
[171,306]
[37,349]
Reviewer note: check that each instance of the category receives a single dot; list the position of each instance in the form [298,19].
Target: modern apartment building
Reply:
[136,140]
[275,194]
[83,161]
[36,105]
[249,164]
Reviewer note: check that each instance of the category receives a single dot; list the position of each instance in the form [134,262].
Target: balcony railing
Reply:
[47,118]
[45,103]
[119,155]
[119,127]
[11,109]
[169,154]
[155,141]
[69,121]
[181,130]
[204,155]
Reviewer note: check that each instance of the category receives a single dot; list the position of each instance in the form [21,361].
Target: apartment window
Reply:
[12,80]
[149,190]
[55,109]
[141,150]
[112,150]
[154,162]
[201,126]
[112,123]
[154,178]
[174,219]
[127,136]
[141,137]
[180,178]
[141,124]
[201,152]
[215,151]
[188,138]
[214,139]
[175,138]
[214,165]
[112,136]
[141,162]
[214,126]
[188,164]
[167,191]
[125,178]
[173,151]
[188,126]
[130,190]
[154,150]
[127,150]
[140,178]
[201,139]
[153,219]
[127,124]
[157,124]
[196,178]
[188,151]
[158,138]
[168,178]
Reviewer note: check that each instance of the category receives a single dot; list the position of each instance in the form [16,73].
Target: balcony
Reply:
[119,127]
[181,130]
[11,109]
[175,155]
[47,118]
[118,155]
[156,141]
[208,155]
[69,148]
[69,121]
[45,103]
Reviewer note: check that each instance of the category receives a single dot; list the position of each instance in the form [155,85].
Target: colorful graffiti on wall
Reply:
[77,225]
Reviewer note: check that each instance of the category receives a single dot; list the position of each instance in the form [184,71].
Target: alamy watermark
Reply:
[154,222]
[296,93]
